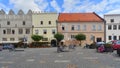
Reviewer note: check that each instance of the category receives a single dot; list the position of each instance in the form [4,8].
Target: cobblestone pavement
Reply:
[49,58]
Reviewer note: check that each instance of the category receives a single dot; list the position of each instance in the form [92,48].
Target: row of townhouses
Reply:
[15,27]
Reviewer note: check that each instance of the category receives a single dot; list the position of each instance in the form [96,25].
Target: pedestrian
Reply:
[58,48]
[101,49]
[1,47]
[11,47]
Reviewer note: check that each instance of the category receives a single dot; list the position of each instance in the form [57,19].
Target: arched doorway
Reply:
[53,43]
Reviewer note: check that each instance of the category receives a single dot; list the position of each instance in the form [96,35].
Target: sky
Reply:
[100,7]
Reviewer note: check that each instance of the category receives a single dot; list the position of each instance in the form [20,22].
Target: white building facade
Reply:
[15,27]
[112,27]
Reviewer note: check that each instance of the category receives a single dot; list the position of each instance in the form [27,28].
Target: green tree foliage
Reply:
[80,37]
[59,37]
[36,37]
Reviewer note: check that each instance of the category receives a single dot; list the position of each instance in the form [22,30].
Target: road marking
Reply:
[44,54]
[4,67]
[117,59]
[91,58]
[60,55]
[42,61]
[6,62]
[61,61]
[79,53]
[30,60]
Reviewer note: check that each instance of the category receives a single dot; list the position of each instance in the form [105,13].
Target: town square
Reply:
[59,33]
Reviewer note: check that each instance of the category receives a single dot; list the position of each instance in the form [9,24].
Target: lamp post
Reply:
[113,36]
[24,40]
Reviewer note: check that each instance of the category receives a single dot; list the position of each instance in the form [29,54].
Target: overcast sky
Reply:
[101,7]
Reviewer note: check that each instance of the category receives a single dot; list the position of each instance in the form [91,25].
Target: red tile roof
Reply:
[79,17]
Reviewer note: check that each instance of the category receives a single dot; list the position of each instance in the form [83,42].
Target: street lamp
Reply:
[24,40]
[113,36]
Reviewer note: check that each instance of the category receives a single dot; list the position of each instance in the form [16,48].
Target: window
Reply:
[99,27]
[12,39]
[109,27]
[93,27]
[78,26]
[4,39]
[44,31]
[23,22]
[4,31]
[36,31]
[109,37]
[20,39]
[45,39]
[114,27]
[8,31]
[13,31]
[119,27]
[41,22]
[114,37]
[49,22]
[111,20]
[27,31]
[119,37]
[84,27]
[72,28]
[53,31]
[8,22]
[63,28]
[20,31]
[72,36]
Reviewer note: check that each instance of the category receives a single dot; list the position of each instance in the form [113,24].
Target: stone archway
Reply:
[53,43]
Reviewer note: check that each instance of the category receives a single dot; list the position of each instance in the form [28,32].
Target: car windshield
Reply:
[117,42]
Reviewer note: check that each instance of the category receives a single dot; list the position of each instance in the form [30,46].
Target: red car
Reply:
[116,44]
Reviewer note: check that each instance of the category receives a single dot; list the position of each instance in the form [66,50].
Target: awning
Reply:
[9,41]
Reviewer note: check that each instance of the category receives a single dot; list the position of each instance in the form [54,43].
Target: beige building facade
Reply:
[45,24]
[90,24]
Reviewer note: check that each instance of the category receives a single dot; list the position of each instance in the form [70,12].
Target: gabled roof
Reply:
[2,12]
[20,12]
[29,12]
[11,12]
[79,17]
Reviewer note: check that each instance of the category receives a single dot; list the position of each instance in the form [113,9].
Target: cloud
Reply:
[116,11]
[55,5]
[2,6]
[25,5]
[100,7]
[42,4]
[70,5]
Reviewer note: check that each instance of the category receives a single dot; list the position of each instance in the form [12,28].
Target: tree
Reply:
[59,37]
[80,37]
[36,37]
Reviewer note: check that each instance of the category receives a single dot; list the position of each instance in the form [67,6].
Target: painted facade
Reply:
[15,27]
[90,24]
[45,24]
[112,27]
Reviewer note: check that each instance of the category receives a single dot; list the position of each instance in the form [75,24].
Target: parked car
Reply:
[116,46]
[98,44]
[6,46]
